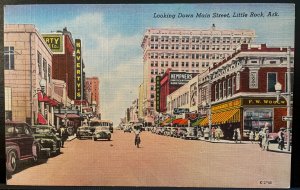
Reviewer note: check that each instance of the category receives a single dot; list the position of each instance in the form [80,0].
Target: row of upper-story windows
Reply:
[198,39]
[176,64]
[187,55]
[191,47]
[225,88]
[179,101]
[44,69]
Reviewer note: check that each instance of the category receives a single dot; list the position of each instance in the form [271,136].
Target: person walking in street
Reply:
[206,133]
[281,139]
[213,132]
[137,138]
[63,134]
[251,136]
[237,135]
[265,137]
[219,133]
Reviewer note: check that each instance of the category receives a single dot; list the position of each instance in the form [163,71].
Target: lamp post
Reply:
[286,96]
[207,106]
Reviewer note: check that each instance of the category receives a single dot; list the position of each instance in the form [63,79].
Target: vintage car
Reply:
[190,133]
[20,145]
[273,137]
[84,132]
[181,132]
[174,131]
[46,135]
[101,132]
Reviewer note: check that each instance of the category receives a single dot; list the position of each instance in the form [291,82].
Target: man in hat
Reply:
[281,138]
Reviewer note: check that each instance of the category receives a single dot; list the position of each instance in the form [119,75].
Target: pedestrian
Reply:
[206,133]
[213,131]
[281,139]
[63,134]
[265,137]
[260,137]
[219,133]
[239,137]
[251,136]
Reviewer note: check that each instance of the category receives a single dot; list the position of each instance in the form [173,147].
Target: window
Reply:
[8,103]
[253,79]
[39,59]
[152,79]
[233,85]
[152,96]
[9,59]
[45,69]
[152,71]
[220,90]
[229,87]
[49,73]
[237,81]
[152,87]
[216,92]
[256,118]
[272,79]
[224,89]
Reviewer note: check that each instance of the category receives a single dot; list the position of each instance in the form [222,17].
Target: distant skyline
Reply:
[112,36]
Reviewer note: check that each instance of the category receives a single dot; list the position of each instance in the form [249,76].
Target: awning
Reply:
[41,120]
[53,102]
[183,122]
[69,116]
[43,98]
[229,116]
[197,123]
[167,121]
[176,121]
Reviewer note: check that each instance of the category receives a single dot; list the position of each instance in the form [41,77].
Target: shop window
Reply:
[9,59]
[272,78]
[254,119]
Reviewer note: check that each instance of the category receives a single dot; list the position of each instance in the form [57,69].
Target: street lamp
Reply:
[287,96]
[207,106]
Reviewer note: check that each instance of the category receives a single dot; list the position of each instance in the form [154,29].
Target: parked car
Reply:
[101,132]
[20,145]
[181,132]
[190,133]
[273,137]
[167,131]
[174,131]
[47,138]
[84,132]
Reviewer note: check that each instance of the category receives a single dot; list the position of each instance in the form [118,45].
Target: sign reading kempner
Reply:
[180,78]
[55,42]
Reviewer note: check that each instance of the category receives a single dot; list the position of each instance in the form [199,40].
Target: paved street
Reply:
[161,161]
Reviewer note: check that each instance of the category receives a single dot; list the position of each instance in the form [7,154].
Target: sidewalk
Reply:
[273,147]
[71,137]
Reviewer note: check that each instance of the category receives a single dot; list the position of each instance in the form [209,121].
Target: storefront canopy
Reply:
[41,120]
[197,123]
[229,116]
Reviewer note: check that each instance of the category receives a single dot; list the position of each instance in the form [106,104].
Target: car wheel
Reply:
[12,162]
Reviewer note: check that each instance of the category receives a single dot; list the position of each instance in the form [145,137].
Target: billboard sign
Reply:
[178,111]
[180,78]
[78,70]
[55,42]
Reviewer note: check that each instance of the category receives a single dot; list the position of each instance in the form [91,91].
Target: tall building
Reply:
[188,50]
[92,91]
[63,47]
[28,75]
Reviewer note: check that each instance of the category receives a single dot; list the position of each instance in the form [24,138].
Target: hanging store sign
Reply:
[178,111]
[180,78]
[55,42]
[157,93]
[78,70]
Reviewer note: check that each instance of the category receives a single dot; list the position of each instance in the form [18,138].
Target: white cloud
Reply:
[114,58]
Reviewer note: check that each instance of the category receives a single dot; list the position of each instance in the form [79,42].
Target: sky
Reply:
[112,36]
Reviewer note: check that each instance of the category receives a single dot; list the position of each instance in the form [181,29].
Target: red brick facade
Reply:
[64,67]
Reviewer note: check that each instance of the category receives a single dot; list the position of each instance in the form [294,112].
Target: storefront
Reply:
[247,113]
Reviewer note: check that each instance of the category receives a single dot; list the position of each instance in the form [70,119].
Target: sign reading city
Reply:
[178,111]
[180,78]
[55,42]
[157,88]
[78,70]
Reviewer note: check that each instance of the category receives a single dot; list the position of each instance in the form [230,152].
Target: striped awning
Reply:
[197,123]
[229,116]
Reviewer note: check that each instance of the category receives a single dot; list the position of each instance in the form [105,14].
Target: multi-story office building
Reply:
[92,91]
[188,50]
[28,75]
